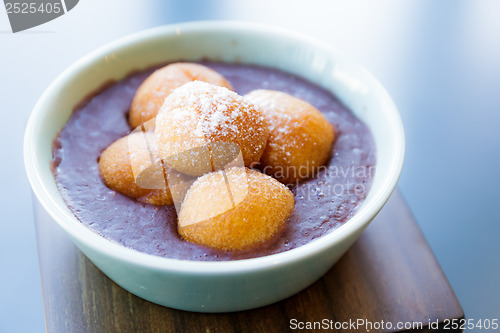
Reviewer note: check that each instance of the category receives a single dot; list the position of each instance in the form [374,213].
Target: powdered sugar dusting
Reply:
[218,107]
[199,110]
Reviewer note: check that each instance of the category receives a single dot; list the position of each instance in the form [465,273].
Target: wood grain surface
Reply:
[389,274]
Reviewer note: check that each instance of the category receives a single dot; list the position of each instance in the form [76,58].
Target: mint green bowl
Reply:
[215,286]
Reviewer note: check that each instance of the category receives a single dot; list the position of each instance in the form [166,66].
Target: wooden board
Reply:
[389,274]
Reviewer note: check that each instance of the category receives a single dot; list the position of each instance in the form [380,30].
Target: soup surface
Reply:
[322,203]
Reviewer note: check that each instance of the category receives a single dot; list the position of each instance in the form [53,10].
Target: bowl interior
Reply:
[220,41]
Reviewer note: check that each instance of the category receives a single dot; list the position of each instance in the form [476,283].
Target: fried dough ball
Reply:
[128,156]
[201,128]
[300,137]
[234,209]
[153,91]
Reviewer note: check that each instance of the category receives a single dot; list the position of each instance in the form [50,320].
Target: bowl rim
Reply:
[118,251]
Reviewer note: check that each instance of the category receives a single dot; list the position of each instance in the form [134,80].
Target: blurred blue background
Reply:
[440,60]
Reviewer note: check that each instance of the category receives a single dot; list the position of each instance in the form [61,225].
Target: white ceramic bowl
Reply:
[216,286]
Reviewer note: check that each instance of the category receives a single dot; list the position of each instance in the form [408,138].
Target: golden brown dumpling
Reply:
[117,169]
[152,93]
[234,209]
[300,137]
[201,127]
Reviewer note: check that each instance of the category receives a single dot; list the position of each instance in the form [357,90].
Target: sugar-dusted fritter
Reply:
[300,137]
[234,209]
[201,128]
[153,91]
[131,160]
